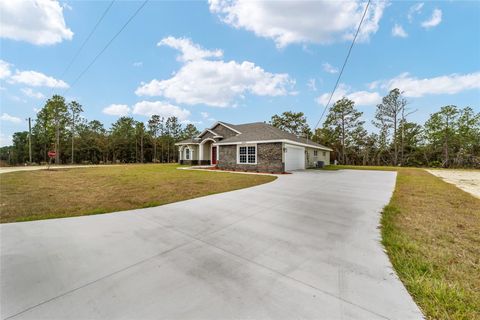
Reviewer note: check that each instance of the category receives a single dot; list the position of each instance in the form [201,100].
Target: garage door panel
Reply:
[294,158]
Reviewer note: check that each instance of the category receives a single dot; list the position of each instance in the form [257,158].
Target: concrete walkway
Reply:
[304,246]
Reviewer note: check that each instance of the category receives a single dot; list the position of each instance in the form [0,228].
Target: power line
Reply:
[343,66]
[106,46]
[88,38]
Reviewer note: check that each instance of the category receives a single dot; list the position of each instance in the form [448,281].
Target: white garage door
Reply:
[294,158]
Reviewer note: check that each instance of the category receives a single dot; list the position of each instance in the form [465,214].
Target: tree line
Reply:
[449,138]
[60,127]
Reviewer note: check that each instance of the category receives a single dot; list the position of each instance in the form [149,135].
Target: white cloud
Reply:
[362,98]
[30,78]
[448,84]
[5,71]
[327,67]
[398,31]
[116,110]
[288,22]
[414,10]
[374,84]
[37,79]
[312,84]
[138,64]
[5,140]
[9,118]
[32,94]
[191,122]
[39,22]
[161,108]
[17,99]
[189,51]
[206,116]
[216,83]
[434,20]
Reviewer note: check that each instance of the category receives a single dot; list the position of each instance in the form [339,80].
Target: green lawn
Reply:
[44,194]
[431,230]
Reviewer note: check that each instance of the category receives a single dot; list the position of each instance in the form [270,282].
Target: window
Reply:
[247,154]
[187,154]
[324,153]
[315,153]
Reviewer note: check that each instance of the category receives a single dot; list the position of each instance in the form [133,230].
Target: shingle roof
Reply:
[233,126]
[260,131]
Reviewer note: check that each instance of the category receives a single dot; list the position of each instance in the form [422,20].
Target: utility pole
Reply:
[30,139]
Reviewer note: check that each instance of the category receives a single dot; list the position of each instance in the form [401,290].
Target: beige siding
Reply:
[311,159]
[206,152]
[193,152]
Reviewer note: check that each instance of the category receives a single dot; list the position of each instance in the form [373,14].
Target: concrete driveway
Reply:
[304,246]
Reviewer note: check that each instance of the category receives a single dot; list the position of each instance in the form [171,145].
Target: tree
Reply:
[409,134]
[123,140]
[43,132]
[140,134]
[190,131]
[293,122]
[57,110]
[20,147]
[358,149]
[468,131]
[450,137]
[343,120]
[173,131]
[440,129]
[155,125]
[75,109]
[92,142]
[388,115]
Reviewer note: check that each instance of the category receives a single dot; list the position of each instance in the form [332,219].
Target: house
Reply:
[257,147]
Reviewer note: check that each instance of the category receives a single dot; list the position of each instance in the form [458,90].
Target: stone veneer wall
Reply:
[269,158]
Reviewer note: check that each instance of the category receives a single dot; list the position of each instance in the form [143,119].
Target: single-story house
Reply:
[255,146]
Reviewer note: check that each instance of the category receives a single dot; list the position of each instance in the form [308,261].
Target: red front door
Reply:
[214,155]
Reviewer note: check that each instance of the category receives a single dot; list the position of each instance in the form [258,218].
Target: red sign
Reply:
[52,154]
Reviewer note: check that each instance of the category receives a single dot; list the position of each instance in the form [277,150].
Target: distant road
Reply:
[32,168]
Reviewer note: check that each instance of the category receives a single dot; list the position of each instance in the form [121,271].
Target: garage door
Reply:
[294,157]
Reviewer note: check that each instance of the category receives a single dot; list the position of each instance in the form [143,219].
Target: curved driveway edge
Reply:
[304,246]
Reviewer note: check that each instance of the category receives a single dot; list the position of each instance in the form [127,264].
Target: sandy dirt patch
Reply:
[468,181]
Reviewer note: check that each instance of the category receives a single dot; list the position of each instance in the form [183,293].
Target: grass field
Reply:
[431,230]
[44,194]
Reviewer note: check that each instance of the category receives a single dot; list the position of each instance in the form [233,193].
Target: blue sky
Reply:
[235,61]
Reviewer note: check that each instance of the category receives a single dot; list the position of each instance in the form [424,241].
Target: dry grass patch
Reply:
[59,193]
[431,230]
